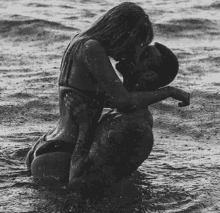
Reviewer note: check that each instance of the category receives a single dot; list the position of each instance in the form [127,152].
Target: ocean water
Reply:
[182,174]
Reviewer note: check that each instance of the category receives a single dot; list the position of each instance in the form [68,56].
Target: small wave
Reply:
[211,6]
[66,7]
[211,59]
[193,23]
[41,79]
[179,26]
[39,104]
[4,69]
[38,5]
[89,1]
[88,14]
[21,138]
[15,72]
[35,29]
[72,17]
[23,95]
[6,25]
[19,17]
[215,5]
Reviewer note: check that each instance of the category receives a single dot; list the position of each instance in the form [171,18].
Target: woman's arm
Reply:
[99,65]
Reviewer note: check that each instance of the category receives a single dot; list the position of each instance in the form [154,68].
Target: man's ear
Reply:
[148,75]
[146,81]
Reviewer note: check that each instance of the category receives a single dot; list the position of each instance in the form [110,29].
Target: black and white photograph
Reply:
[109,106]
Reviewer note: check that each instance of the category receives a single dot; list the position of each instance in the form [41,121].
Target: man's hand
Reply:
[180,95]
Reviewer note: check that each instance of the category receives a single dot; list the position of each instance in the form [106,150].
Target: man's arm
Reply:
[99,64]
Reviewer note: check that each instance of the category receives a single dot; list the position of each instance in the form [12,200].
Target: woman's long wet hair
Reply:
[120,28]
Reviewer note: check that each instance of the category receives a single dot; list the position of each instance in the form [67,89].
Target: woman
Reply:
[99,147]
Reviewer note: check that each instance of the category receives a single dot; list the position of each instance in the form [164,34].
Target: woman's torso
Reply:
[80,97]
[74,71]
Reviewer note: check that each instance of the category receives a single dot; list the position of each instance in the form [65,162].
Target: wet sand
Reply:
[182,173]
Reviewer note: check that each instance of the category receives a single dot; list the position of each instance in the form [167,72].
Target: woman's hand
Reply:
[180,95]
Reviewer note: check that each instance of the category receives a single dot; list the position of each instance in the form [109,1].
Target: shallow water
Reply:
[182,172]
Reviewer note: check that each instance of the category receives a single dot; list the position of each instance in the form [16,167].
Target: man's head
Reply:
[157,66]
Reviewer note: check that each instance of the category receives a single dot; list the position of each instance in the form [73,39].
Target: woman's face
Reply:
[123,54]
[118,56]
[127,51]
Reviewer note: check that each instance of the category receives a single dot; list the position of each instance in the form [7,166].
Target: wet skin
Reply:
[97,142]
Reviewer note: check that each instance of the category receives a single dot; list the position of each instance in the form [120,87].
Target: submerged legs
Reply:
[122,142]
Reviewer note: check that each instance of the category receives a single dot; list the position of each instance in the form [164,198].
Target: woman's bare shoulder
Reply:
[91,43]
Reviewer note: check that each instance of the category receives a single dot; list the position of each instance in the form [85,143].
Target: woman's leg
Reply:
[122,142]
[50,159]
